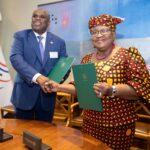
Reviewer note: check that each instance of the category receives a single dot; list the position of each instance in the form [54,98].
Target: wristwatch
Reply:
[113,91]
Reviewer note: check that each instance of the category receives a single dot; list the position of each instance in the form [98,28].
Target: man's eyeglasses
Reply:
[102,32]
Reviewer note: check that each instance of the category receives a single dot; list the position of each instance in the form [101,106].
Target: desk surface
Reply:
[57,136]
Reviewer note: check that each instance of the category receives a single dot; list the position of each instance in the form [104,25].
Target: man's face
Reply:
[40,21]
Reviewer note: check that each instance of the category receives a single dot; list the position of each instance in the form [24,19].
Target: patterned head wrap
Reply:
[105,20]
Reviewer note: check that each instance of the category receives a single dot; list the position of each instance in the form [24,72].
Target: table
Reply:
[59,137]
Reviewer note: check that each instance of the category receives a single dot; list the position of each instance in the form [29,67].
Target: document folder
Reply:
[85,77]
[61,68]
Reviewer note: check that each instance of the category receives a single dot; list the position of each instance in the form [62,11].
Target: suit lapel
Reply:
[35,46]
[48,47]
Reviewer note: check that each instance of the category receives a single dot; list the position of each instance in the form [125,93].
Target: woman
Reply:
[123,80]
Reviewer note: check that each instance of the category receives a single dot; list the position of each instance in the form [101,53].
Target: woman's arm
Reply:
[52,86]
[122,90]
[126,91]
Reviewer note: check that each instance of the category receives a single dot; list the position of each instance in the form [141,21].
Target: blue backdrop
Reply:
[69,20]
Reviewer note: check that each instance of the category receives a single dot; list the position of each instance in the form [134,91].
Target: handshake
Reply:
[47,85]
[100,89]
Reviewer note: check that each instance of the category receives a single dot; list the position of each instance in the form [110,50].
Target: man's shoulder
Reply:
[52,35]
[23,32]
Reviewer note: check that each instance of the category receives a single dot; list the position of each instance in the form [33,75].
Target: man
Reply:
[29,96]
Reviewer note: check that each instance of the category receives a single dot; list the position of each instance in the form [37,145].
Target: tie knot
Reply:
[40,38]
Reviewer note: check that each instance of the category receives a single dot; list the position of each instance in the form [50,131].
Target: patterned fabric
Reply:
[118,138]
[105,20]
[125,67]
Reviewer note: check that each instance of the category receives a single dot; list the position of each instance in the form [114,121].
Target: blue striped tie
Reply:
[41,46]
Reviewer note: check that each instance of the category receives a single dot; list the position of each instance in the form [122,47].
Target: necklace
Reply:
[98,57]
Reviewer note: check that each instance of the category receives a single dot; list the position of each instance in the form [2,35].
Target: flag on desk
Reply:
[5,82]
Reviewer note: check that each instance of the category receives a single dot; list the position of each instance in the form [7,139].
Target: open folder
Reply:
[85,77]
[61,68]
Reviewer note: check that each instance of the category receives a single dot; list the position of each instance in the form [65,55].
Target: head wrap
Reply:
[105,20]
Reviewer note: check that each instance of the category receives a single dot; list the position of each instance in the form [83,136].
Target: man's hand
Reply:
[52,86]
[41,80]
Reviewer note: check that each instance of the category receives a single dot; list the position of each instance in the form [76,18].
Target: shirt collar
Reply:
[43,35]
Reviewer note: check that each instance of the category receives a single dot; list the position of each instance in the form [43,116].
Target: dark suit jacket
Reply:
[26,59]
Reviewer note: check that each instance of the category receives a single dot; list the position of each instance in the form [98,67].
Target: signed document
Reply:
[85,77]
[61,68]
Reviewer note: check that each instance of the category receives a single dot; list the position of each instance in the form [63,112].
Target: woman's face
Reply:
[102,37]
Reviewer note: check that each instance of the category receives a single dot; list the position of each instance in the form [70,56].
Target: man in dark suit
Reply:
[29,96]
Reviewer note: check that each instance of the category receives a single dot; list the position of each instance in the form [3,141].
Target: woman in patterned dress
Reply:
[123,80]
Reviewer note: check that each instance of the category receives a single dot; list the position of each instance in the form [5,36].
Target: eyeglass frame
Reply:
[102,32]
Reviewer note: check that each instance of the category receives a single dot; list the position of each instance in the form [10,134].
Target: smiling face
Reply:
[40,21]
[102,37]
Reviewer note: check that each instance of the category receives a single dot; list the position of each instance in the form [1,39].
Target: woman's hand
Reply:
[102,89]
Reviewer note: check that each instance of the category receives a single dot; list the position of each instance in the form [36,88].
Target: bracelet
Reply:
[113,91]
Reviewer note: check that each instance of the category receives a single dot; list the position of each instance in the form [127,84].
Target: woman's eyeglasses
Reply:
[102,32]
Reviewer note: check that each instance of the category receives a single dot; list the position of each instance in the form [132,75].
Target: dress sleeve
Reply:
[86,59]
[137,73]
